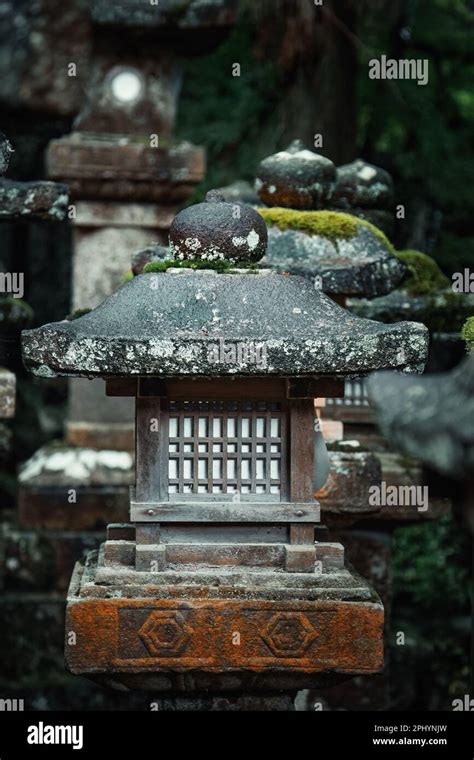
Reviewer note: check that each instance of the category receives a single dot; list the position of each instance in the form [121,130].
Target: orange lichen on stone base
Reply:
[223,636]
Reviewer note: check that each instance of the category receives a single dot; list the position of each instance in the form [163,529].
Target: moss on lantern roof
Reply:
[467,334]
[333,225]
[423,276]
[218,265]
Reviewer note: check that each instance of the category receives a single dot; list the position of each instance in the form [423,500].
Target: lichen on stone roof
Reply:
[206,324]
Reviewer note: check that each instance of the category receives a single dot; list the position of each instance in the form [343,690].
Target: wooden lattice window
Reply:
[224,448]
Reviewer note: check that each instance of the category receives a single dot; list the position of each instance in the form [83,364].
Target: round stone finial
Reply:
[216,230]
[295,178]
[360,184]
[214,196]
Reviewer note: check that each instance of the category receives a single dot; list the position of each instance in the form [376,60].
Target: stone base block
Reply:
[67,488]
[299,559]
[193,631]
[119,437]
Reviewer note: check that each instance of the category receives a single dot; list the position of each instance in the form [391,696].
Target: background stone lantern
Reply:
[217,583]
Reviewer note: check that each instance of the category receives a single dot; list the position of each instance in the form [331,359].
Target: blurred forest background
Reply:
[301,75]
[304,73]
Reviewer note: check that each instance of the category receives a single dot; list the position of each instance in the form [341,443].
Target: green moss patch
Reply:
[328,224]
[424,275]
[333,225]
[219,265]
[467,334]
[126,277]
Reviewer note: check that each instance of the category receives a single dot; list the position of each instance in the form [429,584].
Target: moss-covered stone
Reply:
[333,225]
[328,224]
[127,277]
[467,334]
[424,275]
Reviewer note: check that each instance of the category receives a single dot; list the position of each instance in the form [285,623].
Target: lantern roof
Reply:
[309,232]
[184,323]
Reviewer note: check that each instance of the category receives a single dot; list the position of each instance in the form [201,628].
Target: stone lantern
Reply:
[320,222]
[218,583]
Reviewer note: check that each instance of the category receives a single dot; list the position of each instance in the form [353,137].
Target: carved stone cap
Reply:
[363,185]
[218,231]
[295,178]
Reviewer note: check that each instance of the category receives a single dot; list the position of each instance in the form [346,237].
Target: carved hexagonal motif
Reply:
[289,634]
[165,633]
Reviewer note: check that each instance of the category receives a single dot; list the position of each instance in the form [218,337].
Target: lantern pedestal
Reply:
[220,629]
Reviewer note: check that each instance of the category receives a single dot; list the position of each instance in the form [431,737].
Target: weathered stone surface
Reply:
[431,417]
[33,200]
[5,442]
[78,489]
[216,230]
[74,467]
[52,34]
[5,152]
[7,394]
[361,184]
[126,215]
[240,191]
[218,703]
[347,488]
[125,168]
[171,324]
[55,36]
[101,259]
[131,94]
[402,471]
[178,640]
[384,220]
[295,178]
[115,436]
[193,14]
[439,310]
[104,235]
[47,506]
[146,255]
[359,265]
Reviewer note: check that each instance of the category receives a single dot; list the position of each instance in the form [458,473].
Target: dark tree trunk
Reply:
[316,49]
